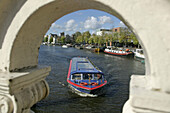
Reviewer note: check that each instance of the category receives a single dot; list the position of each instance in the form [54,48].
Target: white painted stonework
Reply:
[23,23]
[21,90]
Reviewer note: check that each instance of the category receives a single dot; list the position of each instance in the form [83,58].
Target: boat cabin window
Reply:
[141,52]
[97,76]
[76,77]
[87,76]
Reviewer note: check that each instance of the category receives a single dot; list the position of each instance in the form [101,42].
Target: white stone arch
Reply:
[149,20]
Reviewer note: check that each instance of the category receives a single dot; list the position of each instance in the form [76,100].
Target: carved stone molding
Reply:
[6,104]
[27,97]
[19,91]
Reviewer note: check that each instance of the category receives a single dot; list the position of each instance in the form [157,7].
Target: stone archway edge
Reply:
[25,22]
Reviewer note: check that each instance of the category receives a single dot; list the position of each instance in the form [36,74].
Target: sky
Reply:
[84,20]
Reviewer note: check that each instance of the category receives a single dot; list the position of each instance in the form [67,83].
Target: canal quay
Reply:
[116,69]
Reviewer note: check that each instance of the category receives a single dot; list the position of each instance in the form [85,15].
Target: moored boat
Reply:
[84,78]
[118,52]
[139,55]
[64,46]
[78,46]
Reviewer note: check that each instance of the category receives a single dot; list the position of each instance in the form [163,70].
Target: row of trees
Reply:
[124,37]
[60,40]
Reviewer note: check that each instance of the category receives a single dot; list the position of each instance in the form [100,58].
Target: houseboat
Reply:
[119,52]
[84,78]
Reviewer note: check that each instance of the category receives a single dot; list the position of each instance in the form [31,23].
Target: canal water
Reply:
[117,71]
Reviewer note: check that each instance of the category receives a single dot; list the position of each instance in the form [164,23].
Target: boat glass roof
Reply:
[82,65]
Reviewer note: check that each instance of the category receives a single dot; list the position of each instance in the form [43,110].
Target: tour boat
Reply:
[84,78]
[118,52]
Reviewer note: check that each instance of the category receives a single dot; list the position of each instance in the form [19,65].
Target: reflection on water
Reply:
[117,71]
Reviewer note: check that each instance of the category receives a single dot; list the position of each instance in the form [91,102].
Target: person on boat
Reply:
[99,76]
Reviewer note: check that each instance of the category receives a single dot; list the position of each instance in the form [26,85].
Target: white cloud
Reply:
[105,19]
[91,23]
[96,23]
[56,26]
[70,25]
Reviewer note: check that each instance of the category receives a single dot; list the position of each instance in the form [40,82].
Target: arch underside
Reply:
[23,30]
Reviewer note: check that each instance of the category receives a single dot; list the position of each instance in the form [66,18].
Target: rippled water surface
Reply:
[117,71]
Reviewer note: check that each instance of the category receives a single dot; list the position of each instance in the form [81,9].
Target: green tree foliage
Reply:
[93,35]
[79,39]
[111,38]
[95,39]
[86,36]
[59,40]
[86,39]
[135,40]
[100,40]
[125,36]
[106,39]
[90,41]
[77,34]
[46,39]
[116,37]
[51,39]
[63,38]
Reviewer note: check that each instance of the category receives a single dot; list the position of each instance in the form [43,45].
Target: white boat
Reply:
[89,47]
[64,46]
[44,43]
[139,54]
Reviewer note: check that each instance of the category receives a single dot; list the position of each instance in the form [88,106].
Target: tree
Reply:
[135,40]
[63,39]
[79,39]
[46,39]
[95,39]
[125,36]
[58,40]
[100,40]
[51,39]
[86,39]
[110,37]
[90,41]
[86,36]
[77,34]
[106,39]
[116,37]
[93,34]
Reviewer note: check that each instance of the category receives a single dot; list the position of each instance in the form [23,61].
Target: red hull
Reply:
[119,54]
[105,82]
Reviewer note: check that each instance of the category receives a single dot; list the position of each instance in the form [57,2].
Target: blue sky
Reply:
[84,20]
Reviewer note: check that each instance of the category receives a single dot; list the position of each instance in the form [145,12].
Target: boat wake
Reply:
[73,90]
